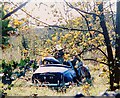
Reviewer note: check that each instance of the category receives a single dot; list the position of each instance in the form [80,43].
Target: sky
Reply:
[43,11]
[57,0]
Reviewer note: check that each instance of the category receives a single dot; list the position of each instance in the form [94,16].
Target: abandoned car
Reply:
[52,73]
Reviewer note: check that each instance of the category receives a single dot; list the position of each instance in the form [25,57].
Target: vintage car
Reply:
[52,73]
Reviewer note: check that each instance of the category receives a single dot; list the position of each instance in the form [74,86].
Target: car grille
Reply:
[48,78]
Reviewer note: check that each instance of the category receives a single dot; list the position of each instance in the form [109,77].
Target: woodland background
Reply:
[94,34]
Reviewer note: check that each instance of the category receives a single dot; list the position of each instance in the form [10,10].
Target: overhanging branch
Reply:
[74,29]
[96,61]
[31,15]
[71,6]
[10,13]
[91,49]
[85,21]
[101,51]
[48,25]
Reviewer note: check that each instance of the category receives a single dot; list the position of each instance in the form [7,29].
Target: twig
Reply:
[96,61]
[10,13]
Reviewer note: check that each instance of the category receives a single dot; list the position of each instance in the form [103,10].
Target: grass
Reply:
[100,84]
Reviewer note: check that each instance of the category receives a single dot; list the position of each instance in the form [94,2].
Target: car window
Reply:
[46,62]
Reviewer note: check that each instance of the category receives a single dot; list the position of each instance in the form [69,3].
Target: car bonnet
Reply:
[51,69]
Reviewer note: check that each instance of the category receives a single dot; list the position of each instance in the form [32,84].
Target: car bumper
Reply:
[52,85]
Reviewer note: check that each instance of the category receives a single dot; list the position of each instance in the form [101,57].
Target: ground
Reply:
[23,87]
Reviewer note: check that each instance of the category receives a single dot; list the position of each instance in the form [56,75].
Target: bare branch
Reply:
[71,6]
[74,29]
[93,48]
[31,15]
[18,7]
[97,61]
[101,51]
[48,25]
[85,19]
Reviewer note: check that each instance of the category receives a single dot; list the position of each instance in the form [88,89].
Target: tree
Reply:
[4,25]
[113,61]
[5,33]
[95,18]
[117,52]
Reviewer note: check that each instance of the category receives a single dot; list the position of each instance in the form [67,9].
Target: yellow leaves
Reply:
[61,34]
[89,39]
[16,22]
[102,74]
[78,33]
[78,50]
[56,33]
[98,12]
[115,84]
[44,54]
[54,38]
[67,35]
[101,65]
[48,41]
[88,34]
[71,43]
[83,37]
[84,44]
[75,37]
[99,59]
[73,51]
[100,35]
[77,23]
[95,8]
[59,42]
[98,3]
[24,51]
[62,38]
[86,87]
[66,56]
[97,38]
[71,33]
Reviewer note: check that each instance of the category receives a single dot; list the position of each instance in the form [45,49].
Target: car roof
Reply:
[56,65]
[51,59]
[51,69]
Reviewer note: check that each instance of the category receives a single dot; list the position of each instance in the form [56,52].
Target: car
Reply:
[52,73]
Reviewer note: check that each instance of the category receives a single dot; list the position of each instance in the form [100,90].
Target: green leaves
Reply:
[25,43]
[5,23]
[5,32]
[2,13]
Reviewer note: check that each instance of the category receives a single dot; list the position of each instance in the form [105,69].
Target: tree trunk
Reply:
[108,46]
[117,47]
